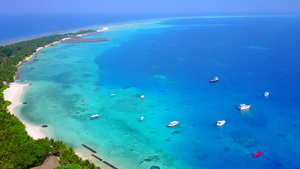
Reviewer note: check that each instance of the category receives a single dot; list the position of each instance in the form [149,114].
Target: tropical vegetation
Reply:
[17,148]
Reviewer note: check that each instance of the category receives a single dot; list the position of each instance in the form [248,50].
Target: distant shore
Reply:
[53,43]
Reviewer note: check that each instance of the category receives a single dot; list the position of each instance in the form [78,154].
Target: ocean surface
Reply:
[170,62]
[20,27]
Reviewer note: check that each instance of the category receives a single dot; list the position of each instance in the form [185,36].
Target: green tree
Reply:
[17,149]
[70,166]
[31,154]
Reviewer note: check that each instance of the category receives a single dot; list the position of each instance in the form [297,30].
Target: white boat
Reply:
[216,79]
[94,116]
[173,123]
[266,94]
[142,118]
[221,123]
[244,107]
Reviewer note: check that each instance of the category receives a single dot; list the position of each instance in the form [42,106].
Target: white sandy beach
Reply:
[13,94]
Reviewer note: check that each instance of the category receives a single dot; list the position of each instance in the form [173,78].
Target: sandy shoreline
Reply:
[13,94]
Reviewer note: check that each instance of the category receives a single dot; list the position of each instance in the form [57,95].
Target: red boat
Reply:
[83,100]
[257,154]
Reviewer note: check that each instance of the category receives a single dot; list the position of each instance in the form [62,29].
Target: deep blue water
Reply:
[250,55]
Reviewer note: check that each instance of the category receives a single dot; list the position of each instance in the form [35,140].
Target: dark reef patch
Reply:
[176,132]
[278,164]
[280,135]
[151,158]
[226,149]
[87,75]
[295,126]
[168,139]
[127,87]
[98,84]
[66,86]
[245,141]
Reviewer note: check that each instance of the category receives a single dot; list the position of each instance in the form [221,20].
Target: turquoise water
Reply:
[171,62]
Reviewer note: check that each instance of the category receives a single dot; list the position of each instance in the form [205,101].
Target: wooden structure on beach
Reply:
[84,40]
[87,147]
[107,163]
[98,158]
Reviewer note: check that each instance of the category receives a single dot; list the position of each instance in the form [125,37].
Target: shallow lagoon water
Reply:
[250,55]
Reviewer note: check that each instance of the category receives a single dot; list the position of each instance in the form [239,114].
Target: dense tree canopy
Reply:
[70,166]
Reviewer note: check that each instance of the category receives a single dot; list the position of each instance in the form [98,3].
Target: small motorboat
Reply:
[142,118]
[266,94]
[112,95]
[257,154]
[173,123]
[83,100]
[244,107]
[221,123]
[95,116]
[142,97]
[216,79]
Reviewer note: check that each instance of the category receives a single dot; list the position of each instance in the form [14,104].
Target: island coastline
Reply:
[15,91]
[14,94]
[53,44]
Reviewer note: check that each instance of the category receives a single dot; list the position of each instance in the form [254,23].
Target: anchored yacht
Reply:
[244,107]
[214,80]
[173,123]
[95,116]
[221,123]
